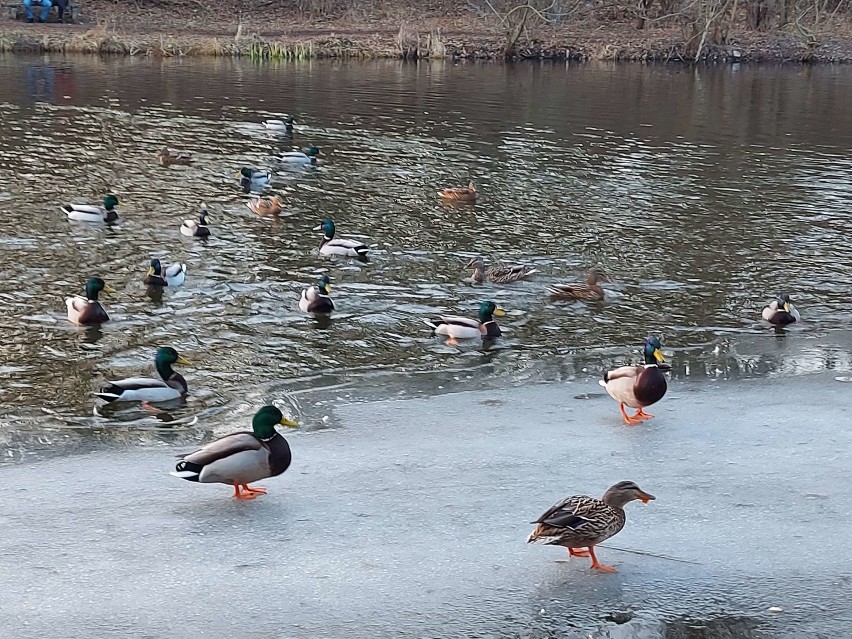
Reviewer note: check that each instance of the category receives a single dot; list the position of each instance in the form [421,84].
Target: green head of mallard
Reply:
[653,351]
[324,284]
[487,311]
[266,419]
[327,228]
[110,202]
[785,303]
[312,151]
[155,268]
[166,358]
[623,493]
[94,286]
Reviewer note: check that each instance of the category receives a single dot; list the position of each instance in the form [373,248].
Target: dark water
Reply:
[701,194]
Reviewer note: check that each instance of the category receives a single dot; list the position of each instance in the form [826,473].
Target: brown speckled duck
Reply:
[638,386]
[579,523]
[459,193]
[167,157]
[591,291]
[266,205]
[497,274]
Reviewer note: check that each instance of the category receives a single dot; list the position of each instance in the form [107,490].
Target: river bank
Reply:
[106,28]
[408,519]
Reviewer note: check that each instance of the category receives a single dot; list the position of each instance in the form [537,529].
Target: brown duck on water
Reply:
[498,274]
[580,523]
[591,291]
[459,193]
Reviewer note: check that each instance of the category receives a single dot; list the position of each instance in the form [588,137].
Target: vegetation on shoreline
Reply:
[670,30]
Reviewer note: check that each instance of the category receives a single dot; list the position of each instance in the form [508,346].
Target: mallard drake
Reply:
[498,274]
[459,193]
[171,386]
[638,386]
[253,179]
[266,205]
[191,228]
[241,458]
[284,124]
[781,311]
[591,291]
[456,328]
[87,311]
[317,299]
[92,212]
[331,246]
[254,175]
[308,156]
[167,157]
[584,522]
[158,275]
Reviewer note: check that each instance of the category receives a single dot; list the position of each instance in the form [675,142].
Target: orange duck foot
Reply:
[238,494]
[260,490]
[596,565]
[577,552]
[642,414]
[630,420]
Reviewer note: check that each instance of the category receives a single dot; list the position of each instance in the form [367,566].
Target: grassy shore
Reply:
[107,28]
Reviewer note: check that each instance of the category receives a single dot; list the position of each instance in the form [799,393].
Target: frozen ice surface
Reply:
[410,521]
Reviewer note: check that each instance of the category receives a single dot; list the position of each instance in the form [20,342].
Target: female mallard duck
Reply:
[497,274]
[92,212]
[241,458]
[87,311]
[332,246]
[591,291]
[284,124]
[308,156]
[582,522]
[148,389]
[167,157]
[459,193]
[266,205]
[781,311]
[638,386]
[191,228]
[456,328]
[317,299]
[159,275]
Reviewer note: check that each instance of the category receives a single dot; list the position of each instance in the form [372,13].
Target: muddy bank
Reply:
[132,30]
[408,519]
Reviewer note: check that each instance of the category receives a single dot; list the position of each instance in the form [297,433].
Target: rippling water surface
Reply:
[701,195]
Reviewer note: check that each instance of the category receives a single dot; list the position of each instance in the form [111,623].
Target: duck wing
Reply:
[224,447]
[454,320]
[175,269]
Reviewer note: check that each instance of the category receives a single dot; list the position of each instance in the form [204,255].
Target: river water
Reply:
[701,194]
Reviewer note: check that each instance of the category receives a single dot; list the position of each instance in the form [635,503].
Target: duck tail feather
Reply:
[187,470]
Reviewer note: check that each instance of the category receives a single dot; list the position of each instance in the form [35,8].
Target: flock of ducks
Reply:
[578,523]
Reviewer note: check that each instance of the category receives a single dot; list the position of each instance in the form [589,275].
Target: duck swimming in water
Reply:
[781,311]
